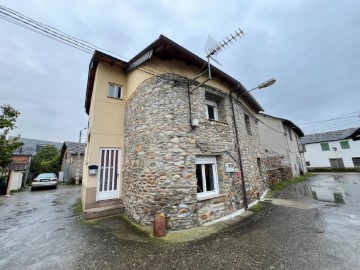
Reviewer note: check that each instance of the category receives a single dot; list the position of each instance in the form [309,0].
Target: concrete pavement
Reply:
[310,225]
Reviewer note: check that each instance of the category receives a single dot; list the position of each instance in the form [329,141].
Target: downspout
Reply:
[189,97]
[239,152]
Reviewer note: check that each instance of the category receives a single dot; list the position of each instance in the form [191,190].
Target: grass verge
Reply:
[257,207]
[284,184]
[78,207]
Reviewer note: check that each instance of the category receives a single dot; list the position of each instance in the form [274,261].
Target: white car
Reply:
[44,180]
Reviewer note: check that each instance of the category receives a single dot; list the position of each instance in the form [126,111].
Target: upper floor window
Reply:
[344,144]
[289,130]
[211,110]
[115,91]
[325,146]
[247,123]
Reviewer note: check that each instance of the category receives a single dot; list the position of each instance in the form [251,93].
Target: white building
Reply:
[282,138]
[335,149]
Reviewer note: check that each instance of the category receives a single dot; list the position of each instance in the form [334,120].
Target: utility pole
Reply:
[77,179]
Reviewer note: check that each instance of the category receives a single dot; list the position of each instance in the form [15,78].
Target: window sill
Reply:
[217,121]
[208,197]
[115,98]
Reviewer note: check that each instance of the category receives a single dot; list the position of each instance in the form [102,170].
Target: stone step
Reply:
[104,211]
[105,203]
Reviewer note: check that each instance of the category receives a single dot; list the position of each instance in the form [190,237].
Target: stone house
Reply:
[160,141]
[339,149]
[68,159]
[283,151]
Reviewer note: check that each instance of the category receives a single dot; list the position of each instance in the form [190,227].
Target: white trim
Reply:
[113,193]
[117,89]
[213,104]
[202,160]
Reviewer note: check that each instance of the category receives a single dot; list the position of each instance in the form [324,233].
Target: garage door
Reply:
[336,163]
[356,161]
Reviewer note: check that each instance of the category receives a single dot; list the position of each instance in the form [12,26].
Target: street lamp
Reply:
[77,179]
[260,86]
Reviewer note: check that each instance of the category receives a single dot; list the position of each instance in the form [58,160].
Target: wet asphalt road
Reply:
[38,230]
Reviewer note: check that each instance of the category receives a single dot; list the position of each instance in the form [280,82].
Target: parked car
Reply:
[44,180]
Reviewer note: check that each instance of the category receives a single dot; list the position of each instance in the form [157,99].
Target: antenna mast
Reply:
[212,48]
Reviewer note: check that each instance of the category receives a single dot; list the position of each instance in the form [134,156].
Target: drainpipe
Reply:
[239,152]
[189,97]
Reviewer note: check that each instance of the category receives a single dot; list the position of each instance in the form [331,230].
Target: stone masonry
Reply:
[161,148]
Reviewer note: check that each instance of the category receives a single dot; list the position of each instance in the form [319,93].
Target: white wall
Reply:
[319,158]
[272,137]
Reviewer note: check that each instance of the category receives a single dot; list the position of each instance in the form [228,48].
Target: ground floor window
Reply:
[356,161]
[207,177]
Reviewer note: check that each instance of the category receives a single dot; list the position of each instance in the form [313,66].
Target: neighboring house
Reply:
[284,155]
[335,149]
[69,160]
[159,144]
[20,168]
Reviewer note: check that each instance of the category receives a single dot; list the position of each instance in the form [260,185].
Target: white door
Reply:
[108,174]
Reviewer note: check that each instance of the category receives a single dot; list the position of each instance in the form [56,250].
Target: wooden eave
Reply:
[95,60]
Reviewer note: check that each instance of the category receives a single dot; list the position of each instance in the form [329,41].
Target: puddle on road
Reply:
[325,190]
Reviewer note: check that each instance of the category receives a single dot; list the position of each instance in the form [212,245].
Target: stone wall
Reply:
[277,168]
[161,147]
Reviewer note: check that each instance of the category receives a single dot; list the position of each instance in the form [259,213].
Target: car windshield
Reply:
[46,175]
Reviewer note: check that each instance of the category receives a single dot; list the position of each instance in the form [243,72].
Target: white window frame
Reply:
[117,89]
[213,104]
[202,160]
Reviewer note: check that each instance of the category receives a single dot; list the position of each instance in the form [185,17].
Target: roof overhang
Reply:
[288,123]
[95,60]
[166,49]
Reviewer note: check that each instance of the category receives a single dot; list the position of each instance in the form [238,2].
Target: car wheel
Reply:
[55,187]
[32,188]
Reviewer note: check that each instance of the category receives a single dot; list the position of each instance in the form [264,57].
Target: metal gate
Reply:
[67,172]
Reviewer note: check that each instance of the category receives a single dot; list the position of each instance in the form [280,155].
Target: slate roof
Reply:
[330,136]
[31,145]
[166,49]
[73,147]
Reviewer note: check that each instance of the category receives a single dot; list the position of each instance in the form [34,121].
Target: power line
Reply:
[326,120]
[31,24]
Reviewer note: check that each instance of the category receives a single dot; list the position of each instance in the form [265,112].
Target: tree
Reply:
[46,160]
[8,116]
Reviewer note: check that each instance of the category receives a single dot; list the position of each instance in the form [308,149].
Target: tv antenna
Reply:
[212,49]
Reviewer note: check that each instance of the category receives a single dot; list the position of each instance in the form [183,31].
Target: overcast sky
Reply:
[312,48]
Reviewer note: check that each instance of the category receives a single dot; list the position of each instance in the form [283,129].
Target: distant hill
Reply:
[31,146]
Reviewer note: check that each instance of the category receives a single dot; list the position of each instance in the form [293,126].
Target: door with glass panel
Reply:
[108,174]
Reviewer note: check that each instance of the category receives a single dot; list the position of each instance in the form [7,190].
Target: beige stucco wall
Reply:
[272,138]
[272,135]
[106,124]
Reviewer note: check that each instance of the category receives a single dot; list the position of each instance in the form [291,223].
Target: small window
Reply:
[247,123]
[115,91]
[211,110]
[325,146]
[344,145]
[304,147]
[258,161]
[289,130]
[207,178]
[307,163]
